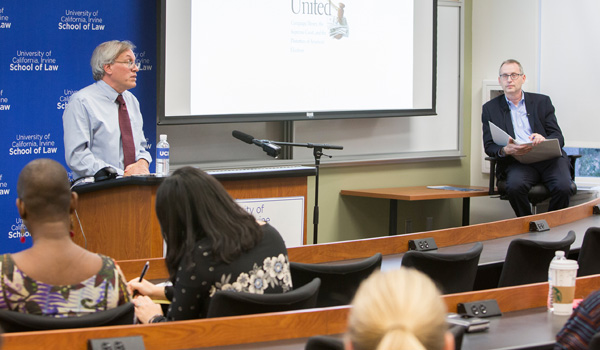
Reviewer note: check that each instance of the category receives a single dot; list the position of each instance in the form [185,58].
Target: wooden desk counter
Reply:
[295,326]
[419,193]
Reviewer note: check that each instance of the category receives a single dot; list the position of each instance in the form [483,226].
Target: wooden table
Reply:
[419,193]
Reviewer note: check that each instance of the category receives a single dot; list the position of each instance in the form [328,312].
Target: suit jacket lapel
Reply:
[530,111]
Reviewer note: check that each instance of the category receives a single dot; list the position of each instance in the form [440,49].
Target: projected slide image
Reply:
[338,25]
[282,56]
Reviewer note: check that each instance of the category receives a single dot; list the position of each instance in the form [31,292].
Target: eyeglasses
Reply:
[512,76]
[130,64]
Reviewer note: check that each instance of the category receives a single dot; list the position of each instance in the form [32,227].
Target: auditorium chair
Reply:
[229,303]
[458,332]
[527,261]
[537,194]
[589,262]
[324,342]
[594,342]
[13,321]
[339,282]
[452,272]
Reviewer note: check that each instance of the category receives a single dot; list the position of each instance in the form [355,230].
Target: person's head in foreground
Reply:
[398,309]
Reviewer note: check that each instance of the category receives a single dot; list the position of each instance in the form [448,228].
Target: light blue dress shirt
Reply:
[91,130]
[518,115]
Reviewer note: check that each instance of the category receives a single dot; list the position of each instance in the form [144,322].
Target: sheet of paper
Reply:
[452,188]
[550,148]
[501,137]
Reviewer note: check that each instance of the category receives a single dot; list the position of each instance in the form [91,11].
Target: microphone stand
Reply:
[317,153]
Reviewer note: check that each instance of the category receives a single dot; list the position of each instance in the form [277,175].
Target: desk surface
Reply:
[494,250]
[221,175]
[530,328]
[417,193]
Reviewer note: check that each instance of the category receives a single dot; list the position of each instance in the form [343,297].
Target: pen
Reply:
[144,270]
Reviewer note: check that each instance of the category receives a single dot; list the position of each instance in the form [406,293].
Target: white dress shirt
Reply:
[91,130]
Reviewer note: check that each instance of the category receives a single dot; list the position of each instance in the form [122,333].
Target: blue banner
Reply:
[44,58]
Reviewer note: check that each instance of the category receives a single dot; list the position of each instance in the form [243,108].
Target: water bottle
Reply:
[162,156]
[559,255]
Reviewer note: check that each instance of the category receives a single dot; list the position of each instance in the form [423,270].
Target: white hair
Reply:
[107,53]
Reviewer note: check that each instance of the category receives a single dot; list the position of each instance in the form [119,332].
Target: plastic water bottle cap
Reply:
[558,253]
[163,137]
[564,264]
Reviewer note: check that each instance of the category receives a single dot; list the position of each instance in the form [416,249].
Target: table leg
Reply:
[393,227]
[466,211]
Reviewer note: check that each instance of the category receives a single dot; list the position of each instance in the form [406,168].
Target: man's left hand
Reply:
[536,139]
[138,168]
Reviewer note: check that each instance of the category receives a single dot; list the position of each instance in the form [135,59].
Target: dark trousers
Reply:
[554,173]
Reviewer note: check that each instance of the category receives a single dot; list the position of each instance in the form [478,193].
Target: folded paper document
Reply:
[453,188]
[547,149]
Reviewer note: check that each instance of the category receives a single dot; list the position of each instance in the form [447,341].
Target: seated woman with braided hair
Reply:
[398,309]
[55,277]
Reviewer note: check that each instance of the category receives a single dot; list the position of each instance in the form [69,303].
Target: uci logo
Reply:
[163,153]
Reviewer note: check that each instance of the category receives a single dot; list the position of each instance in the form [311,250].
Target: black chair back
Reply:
[339,282]
[458,333]
[594,342]
[323,342]
[528,261]
[589,262]
[452,272]
[228,303]
[13,321]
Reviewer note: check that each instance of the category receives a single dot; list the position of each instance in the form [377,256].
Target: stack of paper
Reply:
[547,149]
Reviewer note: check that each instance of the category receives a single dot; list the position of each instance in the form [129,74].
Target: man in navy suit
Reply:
[525,117]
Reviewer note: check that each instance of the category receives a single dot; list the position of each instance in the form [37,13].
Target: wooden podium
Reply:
[118,218]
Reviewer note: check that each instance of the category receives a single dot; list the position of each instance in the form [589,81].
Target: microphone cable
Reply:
[80,226]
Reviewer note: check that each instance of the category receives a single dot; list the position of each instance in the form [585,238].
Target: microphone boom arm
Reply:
[273,148]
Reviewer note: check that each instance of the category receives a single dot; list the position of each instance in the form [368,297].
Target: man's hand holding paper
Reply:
[537,139]
[517,149]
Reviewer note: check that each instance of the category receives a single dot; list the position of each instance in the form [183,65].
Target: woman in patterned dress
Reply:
[55,277]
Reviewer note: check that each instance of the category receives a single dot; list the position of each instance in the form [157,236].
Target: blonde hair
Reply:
[399,309]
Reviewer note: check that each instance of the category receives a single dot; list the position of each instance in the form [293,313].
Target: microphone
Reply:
[242,136]
[270,148]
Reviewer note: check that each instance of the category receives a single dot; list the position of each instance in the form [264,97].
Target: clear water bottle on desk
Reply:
[559,255]
[162,156]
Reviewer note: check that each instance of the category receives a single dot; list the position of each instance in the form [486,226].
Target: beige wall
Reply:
[501,29]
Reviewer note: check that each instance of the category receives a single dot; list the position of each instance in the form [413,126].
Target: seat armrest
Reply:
[573,158]
[492,184]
